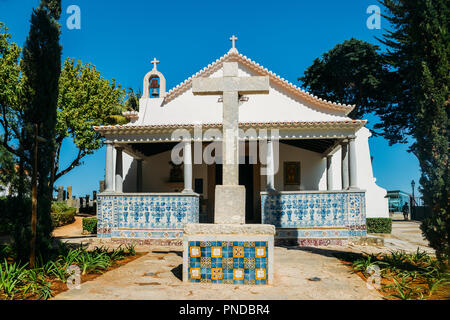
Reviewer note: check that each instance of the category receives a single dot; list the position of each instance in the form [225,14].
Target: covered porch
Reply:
[303,180]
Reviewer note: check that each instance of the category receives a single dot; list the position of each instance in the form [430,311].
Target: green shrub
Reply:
[62,214]
[90,224]
[436,230]
[379,225]
[58,207]
[63,218]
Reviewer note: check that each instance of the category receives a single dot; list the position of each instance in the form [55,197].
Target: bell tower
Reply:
[154,83]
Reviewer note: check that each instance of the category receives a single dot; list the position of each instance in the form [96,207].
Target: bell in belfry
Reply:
[154,86]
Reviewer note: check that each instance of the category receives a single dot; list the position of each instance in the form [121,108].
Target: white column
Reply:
[344,172]
[119,170]
[187,159]
[270,167]
[139,175]
[109,173]
[352,163]
[329,173]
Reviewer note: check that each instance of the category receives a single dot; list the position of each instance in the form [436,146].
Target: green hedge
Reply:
[62,214]
[63,218]
[379,225]
[90,224]
[59,207]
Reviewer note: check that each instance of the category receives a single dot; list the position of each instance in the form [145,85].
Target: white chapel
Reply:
[305,164]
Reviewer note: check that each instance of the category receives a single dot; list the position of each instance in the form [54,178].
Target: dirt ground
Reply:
[70,230]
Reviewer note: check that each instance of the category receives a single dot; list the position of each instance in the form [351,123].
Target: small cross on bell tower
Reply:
[155,62]
[233,40]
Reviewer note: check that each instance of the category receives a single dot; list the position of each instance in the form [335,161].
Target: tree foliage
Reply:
[407,87]
[85,100]
[351,73]
[7,169]
[10,110]
[132,102]
[418,57]
[11,97]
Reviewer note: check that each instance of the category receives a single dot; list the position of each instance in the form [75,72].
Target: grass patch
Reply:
[18,281]
[403,276]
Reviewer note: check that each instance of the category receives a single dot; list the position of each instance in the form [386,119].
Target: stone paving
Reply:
[157,275]
[405,236]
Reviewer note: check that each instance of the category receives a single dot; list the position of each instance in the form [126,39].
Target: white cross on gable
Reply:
[233,40]
[155,62]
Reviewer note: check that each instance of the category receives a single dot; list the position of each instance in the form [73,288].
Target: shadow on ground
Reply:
[340,254]
[178,253]
[178,272]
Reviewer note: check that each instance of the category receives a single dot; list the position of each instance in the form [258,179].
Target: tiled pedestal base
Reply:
[229,254]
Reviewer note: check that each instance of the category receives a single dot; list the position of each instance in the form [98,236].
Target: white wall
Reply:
[376,203]
[278,105]
[156,171]
[312,169]
[129,173]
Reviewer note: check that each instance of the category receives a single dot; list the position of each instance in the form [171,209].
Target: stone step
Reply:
[368,240]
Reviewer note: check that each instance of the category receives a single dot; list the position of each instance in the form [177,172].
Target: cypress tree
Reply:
[418,56]
[41,66]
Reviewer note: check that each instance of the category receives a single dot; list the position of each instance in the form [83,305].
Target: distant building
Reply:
[397,199]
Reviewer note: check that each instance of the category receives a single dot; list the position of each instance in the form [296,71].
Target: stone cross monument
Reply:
[226,242]
[230,197]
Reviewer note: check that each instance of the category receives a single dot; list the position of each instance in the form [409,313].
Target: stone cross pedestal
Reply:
[229,251]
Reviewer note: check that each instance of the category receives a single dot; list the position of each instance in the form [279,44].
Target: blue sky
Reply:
[285,36]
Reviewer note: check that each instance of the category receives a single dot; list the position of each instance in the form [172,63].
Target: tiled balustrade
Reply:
[145,216]
[315,217]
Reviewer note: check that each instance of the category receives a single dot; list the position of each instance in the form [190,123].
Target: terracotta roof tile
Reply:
[235,56]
